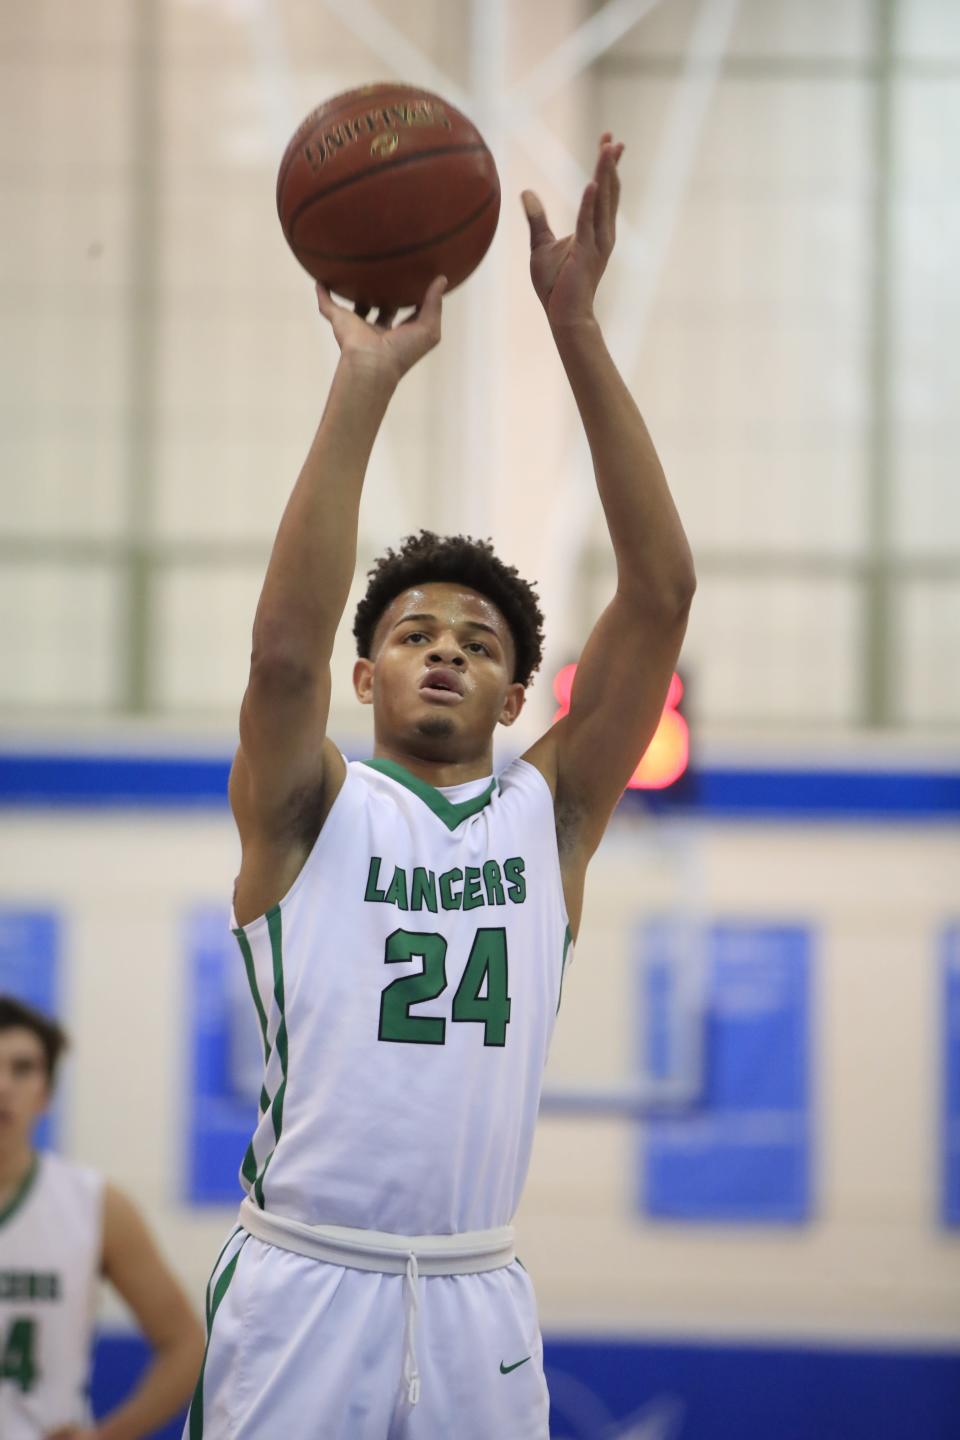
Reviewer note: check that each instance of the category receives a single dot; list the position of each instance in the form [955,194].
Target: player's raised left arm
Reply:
[625,669]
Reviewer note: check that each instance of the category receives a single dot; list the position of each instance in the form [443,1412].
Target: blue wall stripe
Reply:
[165,781]
[613,1389]
[113,780]
[810,793]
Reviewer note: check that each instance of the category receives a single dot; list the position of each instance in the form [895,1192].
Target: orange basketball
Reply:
[385,187]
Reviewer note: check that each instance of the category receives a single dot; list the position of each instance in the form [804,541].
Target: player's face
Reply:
[24,1086]
[440,678]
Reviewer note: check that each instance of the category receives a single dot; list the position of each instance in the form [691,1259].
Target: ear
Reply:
[512,703]
[363,681]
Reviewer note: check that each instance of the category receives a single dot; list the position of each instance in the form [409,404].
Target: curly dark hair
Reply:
[427,556]
[14,1014]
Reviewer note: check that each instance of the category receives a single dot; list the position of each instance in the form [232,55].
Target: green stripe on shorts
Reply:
[213,1305]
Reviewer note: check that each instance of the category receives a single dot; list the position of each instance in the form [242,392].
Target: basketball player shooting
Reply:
[405,922]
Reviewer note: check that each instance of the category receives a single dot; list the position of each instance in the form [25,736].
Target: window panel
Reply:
[928,29]
[201,653]
[764,652]
[752,373]
[60,636]
[63,478]
[926,358]
[834,28]
[928,673]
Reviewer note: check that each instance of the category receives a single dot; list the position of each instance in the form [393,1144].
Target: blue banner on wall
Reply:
[29,970]
[743,1152]
[950,1205]
[227,1060]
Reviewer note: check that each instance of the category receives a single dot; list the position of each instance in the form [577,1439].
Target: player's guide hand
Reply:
[566,273]
[380,345]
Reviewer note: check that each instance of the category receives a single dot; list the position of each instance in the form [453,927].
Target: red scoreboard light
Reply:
[668,754]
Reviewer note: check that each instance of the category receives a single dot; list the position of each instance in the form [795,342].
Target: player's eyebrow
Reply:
[472,624]
[405,619]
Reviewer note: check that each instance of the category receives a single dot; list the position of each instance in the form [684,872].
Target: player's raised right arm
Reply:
[284,713]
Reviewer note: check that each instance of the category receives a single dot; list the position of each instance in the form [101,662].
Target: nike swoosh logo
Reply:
[505,1369]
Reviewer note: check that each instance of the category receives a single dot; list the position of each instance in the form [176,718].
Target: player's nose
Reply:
[447,653]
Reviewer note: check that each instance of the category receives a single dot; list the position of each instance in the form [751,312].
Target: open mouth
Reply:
[443,686]
[440,697]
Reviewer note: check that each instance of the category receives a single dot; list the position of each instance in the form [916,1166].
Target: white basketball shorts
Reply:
[299,1349]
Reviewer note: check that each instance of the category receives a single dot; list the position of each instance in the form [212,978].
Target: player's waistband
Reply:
[468,1253]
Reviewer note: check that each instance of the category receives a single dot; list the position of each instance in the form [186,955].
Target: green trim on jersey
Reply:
[275,930]
[251,1173]
[451,813]
[250,968]
[567,942]
[21,1192]
[248,1168]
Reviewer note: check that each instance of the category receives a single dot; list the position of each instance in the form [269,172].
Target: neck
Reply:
[438,772]
[15,1164]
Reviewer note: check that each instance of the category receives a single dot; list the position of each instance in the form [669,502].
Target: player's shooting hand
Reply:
[566,272]
[379,344]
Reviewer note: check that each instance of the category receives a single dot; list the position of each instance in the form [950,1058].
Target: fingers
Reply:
[433,300]
[596,220]
[330,308]
[325,301]
[429,310]
[586,213]
[608,193]
[385,318]
[540,232]
[436,290]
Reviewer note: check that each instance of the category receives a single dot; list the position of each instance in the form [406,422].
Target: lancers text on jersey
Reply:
[456,889]
[29,1285]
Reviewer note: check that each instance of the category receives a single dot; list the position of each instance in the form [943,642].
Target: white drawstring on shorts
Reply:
[411,1314]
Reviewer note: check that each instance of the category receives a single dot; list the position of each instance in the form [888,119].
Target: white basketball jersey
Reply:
[50,1249]
[406,989]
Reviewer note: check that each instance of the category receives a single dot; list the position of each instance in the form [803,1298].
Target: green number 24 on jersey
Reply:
[486,967]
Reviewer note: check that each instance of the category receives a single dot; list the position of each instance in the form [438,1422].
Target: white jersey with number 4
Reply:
[406,989]
[50,1249]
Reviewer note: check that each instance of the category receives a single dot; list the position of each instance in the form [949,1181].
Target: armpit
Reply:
[569,816]
[304,814]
